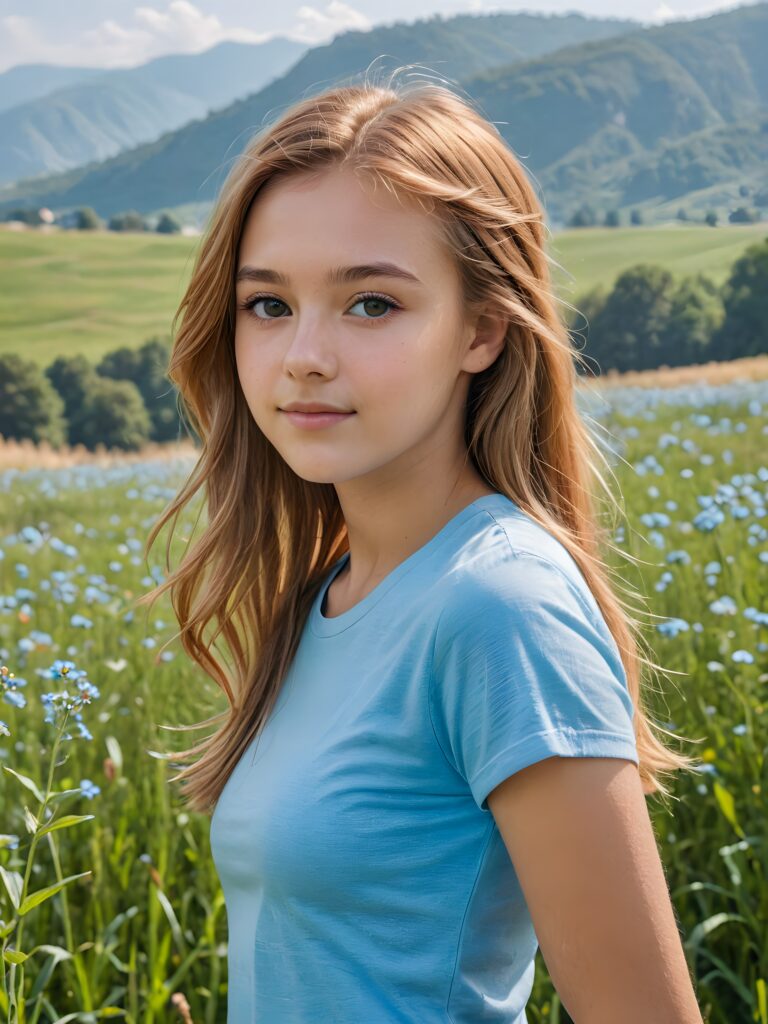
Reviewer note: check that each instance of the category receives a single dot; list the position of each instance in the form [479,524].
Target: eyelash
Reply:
[251,302]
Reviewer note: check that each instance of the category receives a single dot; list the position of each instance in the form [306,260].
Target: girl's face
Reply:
[389,346]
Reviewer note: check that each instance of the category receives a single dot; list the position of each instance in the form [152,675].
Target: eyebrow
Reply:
[338,275]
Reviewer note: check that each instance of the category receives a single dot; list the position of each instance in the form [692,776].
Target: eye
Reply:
[251,304]
[377,300]
[365,299]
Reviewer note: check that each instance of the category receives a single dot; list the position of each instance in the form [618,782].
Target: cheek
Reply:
[253,375]
[412,370]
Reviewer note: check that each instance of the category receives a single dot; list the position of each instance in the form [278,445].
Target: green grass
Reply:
[84,292]
[593,256]
[146,929]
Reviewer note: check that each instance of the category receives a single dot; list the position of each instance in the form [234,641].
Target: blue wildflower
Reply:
[724,606]
[672,627]
[743,656]
[680,556]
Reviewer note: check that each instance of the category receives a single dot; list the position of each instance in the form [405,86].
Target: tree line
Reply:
[85,218]
[648,319]
[587,216]
[124,401]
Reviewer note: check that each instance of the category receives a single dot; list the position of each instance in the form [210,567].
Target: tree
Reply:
[636,217]
[30,409]
[711,218]
[27,215]
[87,219]
[584,217]
[682,214]
[627,332]
[580,321]
[695,313]
[72,377]
[741,215]
[131,220]
[120,364]
[612,219]
[168,225]
[744,330]
[113,414]
[146,368]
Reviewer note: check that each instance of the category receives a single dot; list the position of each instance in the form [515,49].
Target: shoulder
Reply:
[513,568]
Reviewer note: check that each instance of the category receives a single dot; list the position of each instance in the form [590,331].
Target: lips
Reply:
[316,420]
[314,407]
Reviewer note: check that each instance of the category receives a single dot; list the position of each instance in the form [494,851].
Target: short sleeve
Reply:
[525,668]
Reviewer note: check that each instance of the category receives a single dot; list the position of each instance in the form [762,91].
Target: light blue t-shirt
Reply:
[365,879]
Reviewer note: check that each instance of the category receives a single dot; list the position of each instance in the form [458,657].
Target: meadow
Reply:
[143,918]
[90,292]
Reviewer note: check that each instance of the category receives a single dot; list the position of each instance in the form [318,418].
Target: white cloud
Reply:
[320,26]
[662,13]
[180,28]
[21,43]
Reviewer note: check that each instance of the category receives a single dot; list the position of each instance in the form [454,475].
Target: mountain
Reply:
[623,119]
[26,82]
[633,118]
[101,113]
[189,164]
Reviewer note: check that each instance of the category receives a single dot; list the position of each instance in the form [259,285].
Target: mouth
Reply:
[316,419]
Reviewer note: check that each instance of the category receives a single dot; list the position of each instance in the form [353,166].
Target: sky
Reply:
[121,33]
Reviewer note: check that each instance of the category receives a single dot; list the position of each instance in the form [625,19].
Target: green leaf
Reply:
[58,952]
[727,805]
[702,930]
[13,883]
[62,793]
[13,956]
[110,932]
[725,972]
[65,822]
[89,1015]
[173,921]
[35,898]
[31,786]
[762,1003]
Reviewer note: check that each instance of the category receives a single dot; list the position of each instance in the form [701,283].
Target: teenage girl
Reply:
[434,756]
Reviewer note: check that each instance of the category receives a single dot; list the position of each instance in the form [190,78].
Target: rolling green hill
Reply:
[633,119]
[90,292]
[190,164]
[114,110]
[655,116]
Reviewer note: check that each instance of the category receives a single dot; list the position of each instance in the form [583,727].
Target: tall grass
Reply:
[147,920]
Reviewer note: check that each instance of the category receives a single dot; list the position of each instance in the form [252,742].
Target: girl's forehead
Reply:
[334,208]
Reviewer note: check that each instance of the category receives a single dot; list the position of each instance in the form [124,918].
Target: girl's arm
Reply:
[582,843]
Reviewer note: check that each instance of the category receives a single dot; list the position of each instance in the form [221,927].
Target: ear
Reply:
[487,336]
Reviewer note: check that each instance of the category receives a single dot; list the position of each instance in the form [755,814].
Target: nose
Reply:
[310,349]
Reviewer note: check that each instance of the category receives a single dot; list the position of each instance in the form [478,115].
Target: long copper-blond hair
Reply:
[270,536]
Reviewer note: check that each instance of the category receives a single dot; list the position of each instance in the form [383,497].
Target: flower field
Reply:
[109,903]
